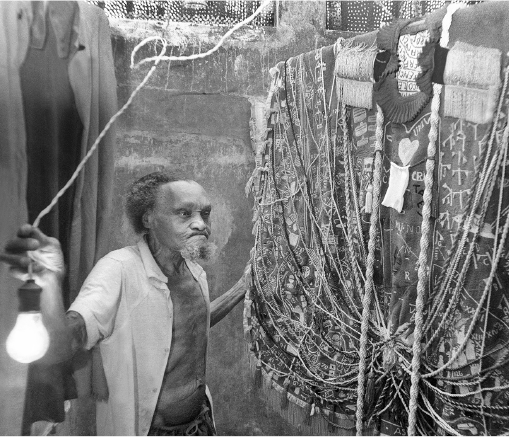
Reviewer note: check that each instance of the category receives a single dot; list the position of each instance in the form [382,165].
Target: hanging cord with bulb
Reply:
[157,60]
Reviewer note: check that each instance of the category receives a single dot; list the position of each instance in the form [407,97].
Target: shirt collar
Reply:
[151,267]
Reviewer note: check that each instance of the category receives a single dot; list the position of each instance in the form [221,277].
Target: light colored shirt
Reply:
[127,306]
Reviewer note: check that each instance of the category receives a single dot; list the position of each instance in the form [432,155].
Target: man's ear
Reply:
[147,219]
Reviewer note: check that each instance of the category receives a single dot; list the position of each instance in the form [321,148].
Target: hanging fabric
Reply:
[368,317]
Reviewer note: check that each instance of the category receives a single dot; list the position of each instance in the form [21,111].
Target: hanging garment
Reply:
[313,252]
[305,304]
[81,34]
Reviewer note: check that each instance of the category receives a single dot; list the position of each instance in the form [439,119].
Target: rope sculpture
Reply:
[363,317]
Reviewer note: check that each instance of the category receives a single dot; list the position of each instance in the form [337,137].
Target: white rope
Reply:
[369,284]
[423,269]
[198,55]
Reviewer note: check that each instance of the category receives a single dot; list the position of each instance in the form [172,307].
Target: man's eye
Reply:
[205,214]
[184,213]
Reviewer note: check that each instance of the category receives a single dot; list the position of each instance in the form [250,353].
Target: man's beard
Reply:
[199,250]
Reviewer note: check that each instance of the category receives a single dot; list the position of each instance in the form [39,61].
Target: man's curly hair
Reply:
[141,197]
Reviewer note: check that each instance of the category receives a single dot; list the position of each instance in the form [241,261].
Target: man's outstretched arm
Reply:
[222,305]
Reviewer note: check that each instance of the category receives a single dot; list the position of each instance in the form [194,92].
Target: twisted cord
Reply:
[446,272]
[494,266]
[369,284]
[197,55]
[423,270]
[478,184]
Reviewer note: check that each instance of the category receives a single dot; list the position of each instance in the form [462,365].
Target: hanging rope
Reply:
[369,285]
[423,269]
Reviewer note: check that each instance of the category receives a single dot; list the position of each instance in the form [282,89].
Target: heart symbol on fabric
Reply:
[407,149]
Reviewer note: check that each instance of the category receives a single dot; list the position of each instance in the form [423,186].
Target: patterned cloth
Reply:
[306,304]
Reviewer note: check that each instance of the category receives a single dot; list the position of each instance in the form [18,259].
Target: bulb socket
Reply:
[29,296]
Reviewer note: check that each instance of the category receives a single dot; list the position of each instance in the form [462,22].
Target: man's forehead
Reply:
[183,192]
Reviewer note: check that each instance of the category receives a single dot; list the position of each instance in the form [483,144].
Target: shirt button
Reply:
[166,350]
[154,390]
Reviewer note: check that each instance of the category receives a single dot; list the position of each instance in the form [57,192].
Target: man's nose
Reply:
[198,223]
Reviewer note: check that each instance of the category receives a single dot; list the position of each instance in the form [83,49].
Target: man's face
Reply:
[180,220]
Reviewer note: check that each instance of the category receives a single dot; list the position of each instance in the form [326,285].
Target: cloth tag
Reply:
[398,182]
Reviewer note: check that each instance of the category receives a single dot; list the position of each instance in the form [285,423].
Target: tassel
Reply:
[368,205]
[268,379]
[248,336]
[354,61]
[370,391]
[258,374]
[354,69]
[471,104]
[310,412]
[284,394]
[472,79]
[476,67]
[355,93]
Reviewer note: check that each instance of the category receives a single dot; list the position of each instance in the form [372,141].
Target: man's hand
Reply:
[32,245]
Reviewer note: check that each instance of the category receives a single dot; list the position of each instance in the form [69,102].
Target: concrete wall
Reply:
[194,117]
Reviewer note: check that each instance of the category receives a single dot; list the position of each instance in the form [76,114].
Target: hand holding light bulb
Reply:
[37,327]
[29,339]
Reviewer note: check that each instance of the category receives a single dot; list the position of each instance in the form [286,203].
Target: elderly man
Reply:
[148,308]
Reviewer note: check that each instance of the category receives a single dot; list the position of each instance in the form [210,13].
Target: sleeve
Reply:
[99,298]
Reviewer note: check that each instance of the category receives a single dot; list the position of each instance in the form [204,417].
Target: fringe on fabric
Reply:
[354,68]
[308,419]
[472,82]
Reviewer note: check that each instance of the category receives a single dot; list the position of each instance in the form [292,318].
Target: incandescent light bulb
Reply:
[29,339]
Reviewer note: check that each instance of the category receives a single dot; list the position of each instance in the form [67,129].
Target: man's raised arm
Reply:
[222,305]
